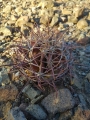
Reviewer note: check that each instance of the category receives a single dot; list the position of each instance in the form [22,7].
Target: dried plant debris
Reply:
[42,57]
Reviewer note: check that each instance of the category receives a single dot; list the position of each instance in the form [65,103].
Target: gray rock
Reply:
[87,87]
[31,92]
[16,114]
[60,103]
[87,49]
[36,111]
[66,115]
[1,49]
[88,77]
[82,100]
[76,82]
[4,78]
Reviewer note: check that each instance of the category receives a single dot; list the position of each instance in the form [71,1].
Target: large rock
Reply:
[36,111]
[60,103]
[8,92]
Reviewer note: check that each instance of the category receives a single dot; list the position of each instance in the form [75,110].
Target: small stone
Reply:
[82,24]
[66,11]
[61,26]
[72,19]
[88,16]
[44,20]
[7,9]
[87,87]
[66,115]
[88,77]
[54,21]
[60,103]
[1,49]
[5,31]
[8,92]
[29,25]
[22,106]
[76,82]
[81,114]
[63,18]
[16,114]
[48,4]
[6,108]
[36,111]
[13,18]
[10,22]
[77,11]
[31,92]
[70,24]
[82,100]
[5,78]
[19,10]
[21,21]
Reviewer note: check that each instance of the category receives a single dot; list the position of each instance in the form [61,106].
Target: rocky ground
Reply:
[73,100]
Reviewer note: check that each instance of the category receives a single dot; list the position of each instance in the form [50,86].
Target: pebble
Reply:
[54,21]
[31,92]
[66,115]
[88,77]
[44,20]
[4,77]
[19,10]
[79,113]
[36,111]
[7,9]
[21,21]
[8,92]
[16,114]
[5,31]
[72,19]
[60,103]
[82,100]
[81,24]
[77,11]
[76,82]
[66,11]
[87,87]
